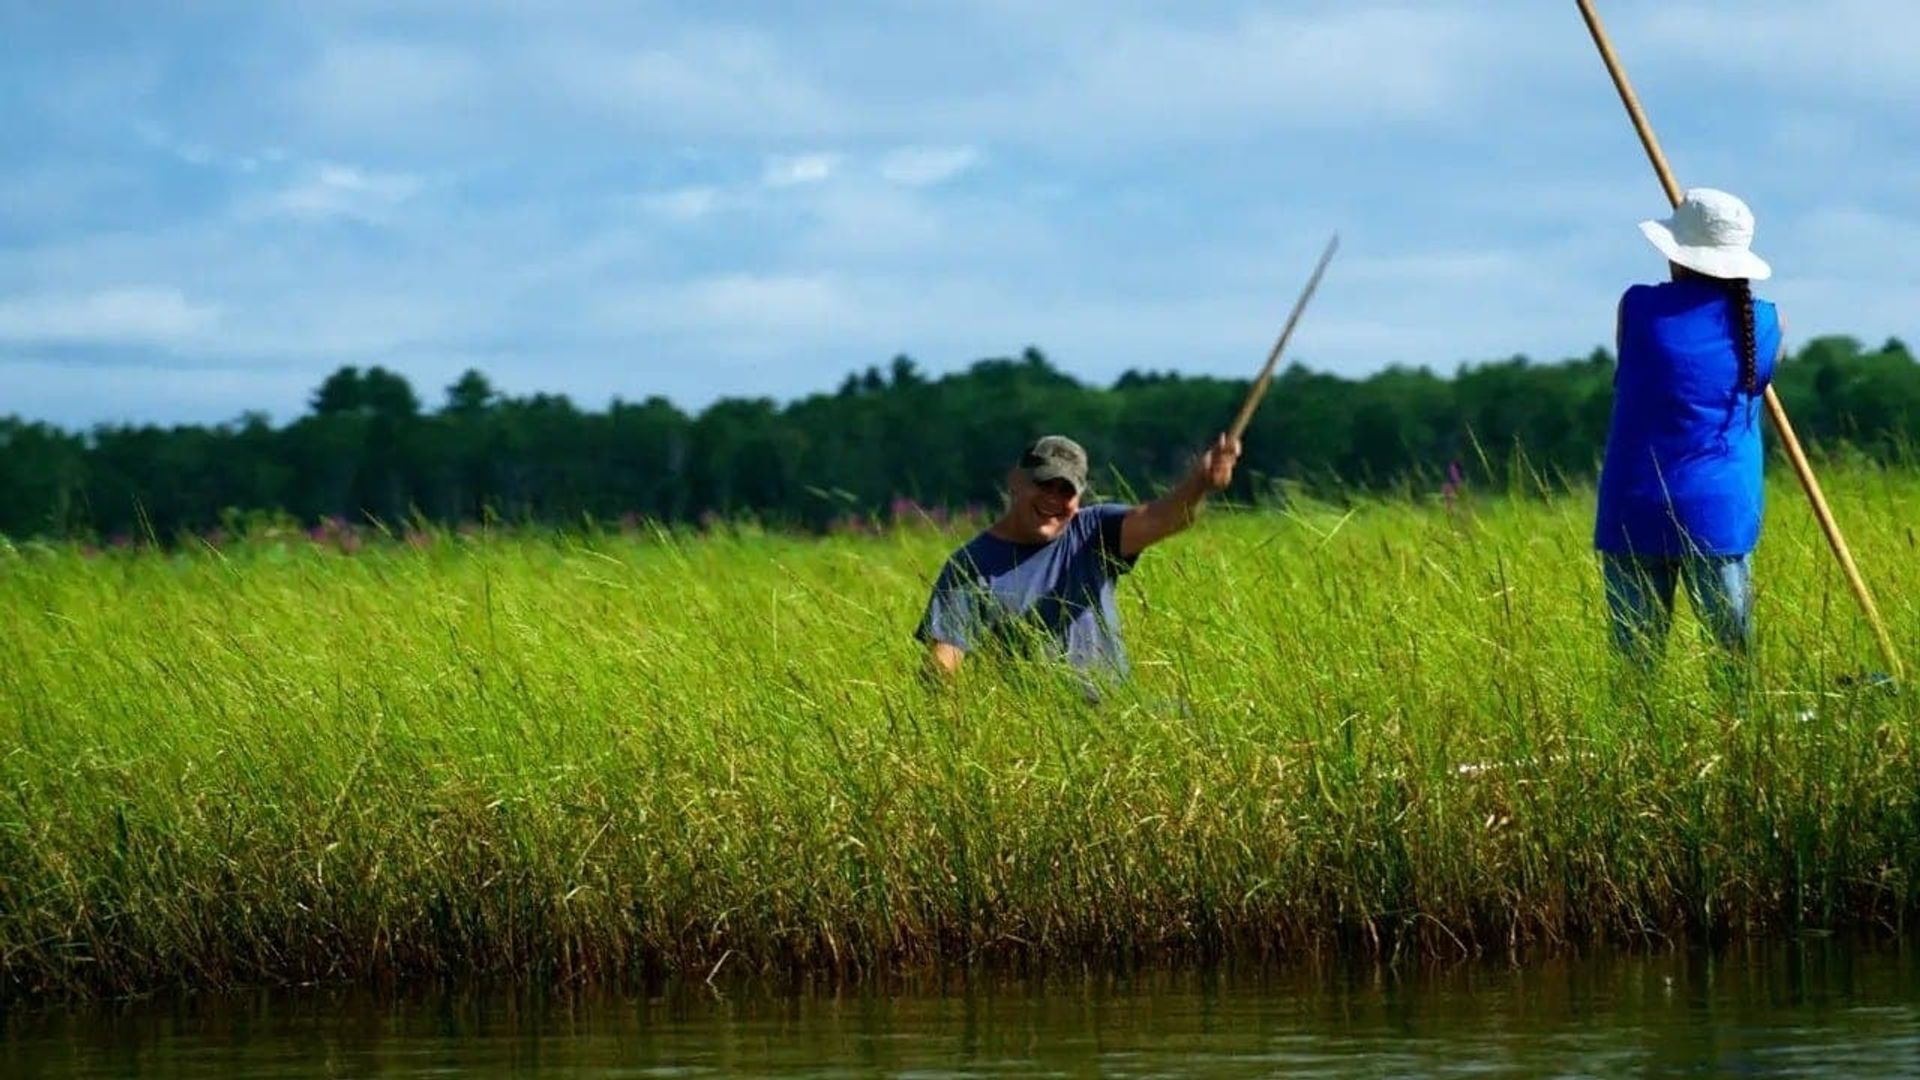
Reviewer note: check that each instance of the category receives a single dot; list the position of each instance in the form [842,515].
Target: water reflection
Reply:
[1811,1007]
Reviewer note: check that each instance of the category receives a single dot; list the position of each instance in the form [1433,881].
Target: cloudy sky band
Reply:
[621,200]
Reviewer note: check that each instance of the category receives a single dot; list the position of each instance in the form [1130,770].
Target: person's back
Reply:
[1680,495]
[1682,473]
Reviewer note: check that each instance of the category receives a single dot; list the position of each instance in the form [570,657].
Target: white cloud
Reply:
[118,316]
[704,80]
[776,298]
[1861,49]
[1848,270]
[799,169]
[50,195]
[190,152]
[767,301]
[135,391]
[682,204]
[405,88]
[1176,81]
[861,221]
[1811,135]
[1428,269]
[344,191]
[1162,176]
[922,166]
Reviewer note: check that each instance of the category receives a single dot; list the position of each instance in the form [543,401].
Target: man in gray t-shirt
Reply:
[1040,580]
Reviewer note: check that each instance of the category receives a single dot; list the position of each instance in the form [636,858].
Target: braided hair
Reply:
[1739,293]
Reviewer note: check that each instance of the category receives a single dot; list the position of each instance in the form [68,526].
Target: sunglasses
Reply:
[1058,488]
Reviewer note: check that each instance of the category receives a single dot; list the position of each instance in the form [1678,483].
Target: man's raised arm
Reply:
[1149,523]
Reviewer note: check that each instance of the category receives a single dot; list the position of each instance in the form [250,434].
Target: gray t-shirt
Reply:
[1055,598]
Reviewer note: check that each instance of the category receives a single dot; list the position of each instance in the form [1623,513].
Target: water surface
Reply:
[1816,1007]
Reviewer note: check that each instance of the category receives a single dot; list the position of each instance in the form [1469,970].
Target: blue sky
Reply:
[204,210]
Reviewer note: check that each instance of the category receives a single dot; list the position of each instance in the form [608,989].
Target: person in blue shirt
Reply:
[1680,486]
[1039,582]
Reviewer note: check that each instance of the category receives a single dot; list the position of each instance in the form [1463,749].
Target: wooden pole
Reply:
[1801,467]
[1259,388]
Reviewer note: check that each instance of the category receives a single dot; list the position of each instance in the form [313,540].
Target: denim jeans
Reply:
[1640,600]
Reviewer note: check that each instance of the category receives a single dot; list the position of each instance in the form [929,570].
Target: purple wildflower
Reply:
[1456,483]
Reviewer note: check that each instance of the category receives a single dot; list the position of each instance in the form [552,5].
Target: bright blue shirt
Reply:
[1054,599]
[1682,474]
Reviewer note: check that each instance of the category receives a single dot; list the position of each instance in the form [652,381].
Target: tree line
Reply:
[368,449]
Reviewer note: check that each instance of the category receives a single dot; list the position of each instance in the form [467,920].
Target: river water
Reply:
[1808,1007]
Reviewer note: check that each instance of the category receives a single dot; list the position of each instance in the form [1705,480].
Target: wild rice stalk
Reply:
[1390,727]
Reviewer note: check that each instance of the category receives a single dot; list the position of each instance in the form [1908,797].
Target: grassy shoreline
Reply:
[1393,728]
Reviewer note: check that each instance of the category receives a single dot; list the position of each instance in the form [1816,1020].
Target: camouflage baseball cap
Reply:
[1056,457]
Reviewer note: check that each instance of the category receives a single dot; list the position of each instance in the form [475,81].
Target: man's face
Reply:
[1041,509]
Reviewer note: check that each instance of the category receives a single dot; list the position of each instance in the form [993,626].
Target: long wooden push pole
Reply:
[1801,467]
[1259,388]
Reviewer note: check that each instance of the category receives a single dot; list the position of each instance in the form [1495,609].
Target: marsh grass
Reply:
[1391,727]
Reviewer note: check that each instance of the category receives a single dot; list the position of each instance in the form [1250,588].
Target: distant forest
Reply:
[888,441]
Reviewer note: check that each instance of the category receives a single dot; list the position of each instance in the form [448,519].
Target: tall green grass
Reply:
[1390,727]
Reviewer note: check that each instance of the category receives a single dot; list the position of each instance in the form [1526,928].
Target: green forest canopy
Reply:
[369,449]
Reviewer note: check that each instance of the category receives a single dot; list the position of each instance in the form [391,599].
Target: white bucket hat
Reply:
[1709,232]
